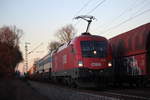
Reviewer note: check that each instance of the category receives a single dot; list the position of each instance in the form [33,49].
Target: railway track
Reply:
[59,92]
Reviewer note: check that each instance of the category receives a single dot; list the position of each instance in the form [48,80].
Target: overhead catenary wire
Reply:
[35,48]
[129,9]
[84,6]
[141,8]
[100,3]
[124,12]
[131,18]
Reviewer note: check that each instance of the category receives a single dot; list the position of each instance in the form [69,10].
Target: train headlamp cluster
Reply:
[109,64]
[80,64]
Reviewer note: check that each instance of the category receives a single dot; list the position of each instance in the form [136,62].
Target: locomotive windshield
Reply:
[96,49]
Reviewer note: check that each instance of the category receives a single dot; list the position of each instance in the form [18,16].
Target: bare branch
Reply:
[66,33]
[53,46]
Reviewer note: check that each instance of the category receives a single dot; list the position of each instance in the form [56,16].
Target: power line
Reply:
[131,18]
[141,7]
[96,6]
[86,4]
[35,48]
[128,10]
[124,12]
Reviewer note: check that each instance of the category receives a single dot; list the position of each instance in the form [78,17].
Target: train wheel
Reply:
[131,84]
[65,82]
[101,86]
[139,84]
[102,83]
[68,81]
[54,79]
[72,83]
[146,83]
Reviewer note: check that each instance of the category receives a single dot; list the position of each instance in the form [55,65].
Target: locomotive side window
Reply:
[96,49]
[72,49]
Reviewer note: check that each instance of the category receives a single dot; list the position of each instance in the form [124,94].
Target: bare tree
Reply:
[53,46]
[66,33]
[10,35]
[10,54]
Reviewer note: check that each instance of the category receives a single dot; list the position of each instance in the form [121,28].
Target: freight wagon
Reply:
[131,55]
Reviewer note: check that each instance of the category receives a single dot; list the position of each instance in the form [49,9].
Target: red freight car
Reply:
[131,53]
[86,59]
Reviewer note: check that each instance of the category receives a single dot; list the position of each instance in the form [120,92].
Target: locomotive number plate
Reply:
[95,64]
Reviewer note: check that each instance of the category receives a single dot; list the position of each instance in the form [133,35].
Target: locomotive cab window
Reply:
[96,49]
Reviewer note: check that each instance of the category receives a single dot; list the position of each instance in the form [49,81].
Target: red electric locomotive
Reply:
[131,54]
[86,59]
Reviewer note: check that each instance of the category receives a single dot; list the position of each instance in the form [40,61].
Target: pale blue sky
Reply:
[40,19]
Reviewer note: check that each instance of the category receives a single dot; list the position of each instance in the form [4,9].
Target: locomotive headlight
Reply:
[94,52]
[109,64]
[80,64]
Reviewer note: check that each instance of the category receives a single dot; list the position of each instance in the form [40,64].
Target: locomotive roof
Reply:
[78,38]
[87,36]
[63,46]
